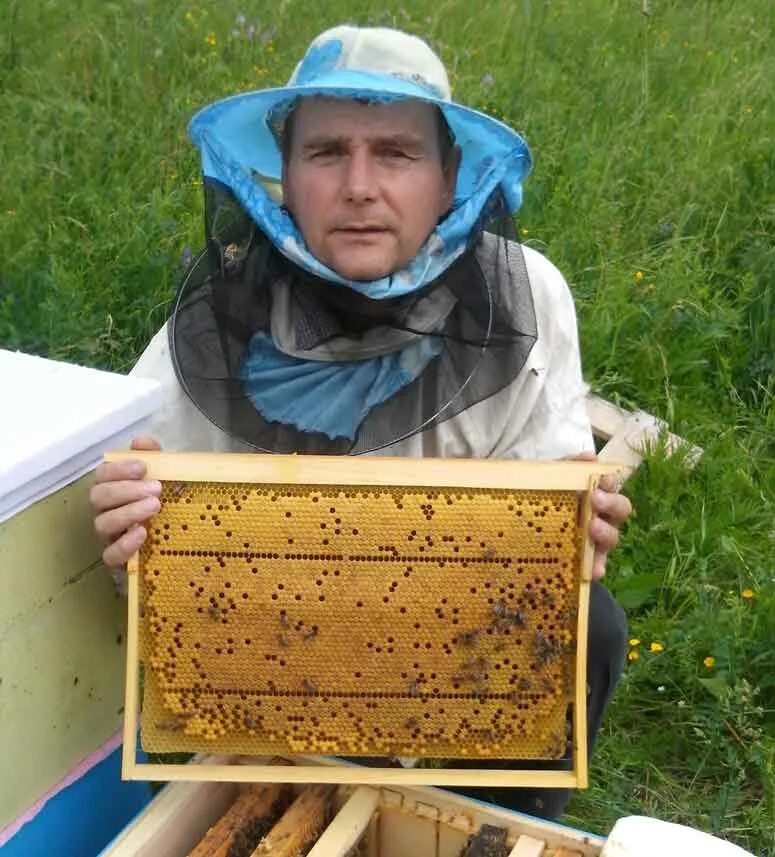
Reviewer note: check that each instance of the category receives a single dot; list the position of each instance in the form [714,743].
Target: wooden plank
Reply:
[61,693]
[451,841]
[348,825]
[637,434]
[255,804]
[579,751]
[402,833]
[132,691]
[44,549]
[352,775]
[456,809]
[301,824]
[368,470]
[528,846]
[563,852]
[605,417]
[62,632]
[174,821]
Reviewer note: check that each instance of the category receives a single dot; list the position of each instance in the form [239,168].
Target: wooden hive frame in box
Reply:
[297,604]
[204,819]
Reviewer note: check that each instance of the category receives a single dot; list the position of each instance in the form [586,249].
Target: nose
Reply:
[360,179]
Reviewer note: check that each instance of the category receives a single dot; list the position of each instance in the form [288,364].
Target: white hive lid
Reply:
[58,419]
[638,836]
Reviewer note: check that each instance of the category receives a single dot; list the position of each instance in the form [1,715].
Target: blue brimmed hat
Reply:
[238,140]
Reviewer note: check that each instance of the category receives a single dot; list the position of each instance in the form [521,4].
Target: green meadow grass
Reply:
[652,127]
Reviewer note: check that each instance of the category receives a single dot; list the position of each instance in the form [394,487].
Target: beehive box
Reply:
[62,646]
[358,821]
[380,607]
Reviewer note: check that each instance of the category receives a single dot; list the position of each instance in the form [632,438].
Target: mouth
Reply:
[362,230]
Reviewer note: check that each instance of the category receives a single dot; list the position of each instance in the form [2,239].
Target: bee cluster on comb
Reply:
[359,620]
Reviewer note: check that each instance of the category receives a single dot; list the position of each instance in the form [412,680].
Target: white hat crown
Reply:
[376,50]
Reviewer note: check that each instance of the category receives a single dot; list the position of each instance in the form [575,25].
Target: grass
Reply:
[653,190]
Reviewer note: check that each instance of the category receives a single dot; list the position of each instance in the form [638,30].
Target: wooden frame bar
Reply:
[312,470]
[369,470]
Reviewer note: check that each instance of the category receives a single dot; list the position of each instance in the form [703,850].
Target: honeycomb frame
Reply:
[206,698]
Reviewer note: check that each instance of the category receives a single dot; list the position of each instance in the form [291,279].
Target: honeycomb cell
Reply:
[360,620]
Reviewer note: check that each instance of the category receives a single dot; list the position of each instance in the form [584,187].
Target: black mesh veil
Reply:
[487,329]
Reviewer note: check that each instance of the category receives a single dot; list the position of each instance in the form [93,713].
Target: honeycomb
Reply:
[359,620]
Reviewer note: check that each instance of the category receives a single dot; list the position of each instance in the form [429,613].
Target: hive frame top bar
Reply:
[370,470]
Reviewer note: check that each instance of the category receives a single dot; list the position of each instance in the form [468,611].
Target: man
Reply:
[375,310]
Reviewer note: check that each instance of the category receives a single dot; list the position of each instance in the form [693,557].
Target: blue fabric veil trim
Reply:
[332,398]
[239,149]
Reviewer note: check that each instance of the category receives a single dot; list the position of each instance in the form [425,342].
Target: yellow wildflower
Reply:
[633,655]
[709,662]
[189,17]
[638,276]
[634,641]
[211,39]
[525,231]
[747,593]
[656,648]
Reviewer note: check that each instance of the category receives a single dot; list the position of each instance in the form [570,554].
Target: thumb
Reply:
[145,443]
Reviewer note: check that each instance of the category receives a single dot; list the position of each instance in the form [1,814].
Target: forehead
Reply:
[320,116]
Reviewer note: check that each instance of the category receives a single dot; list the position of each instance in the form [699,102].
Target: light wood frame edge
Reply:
[210,467]
[368,470]
[132,693]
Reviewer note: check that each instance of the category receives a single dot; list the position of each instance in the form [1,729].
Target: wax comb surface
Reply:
[347,619]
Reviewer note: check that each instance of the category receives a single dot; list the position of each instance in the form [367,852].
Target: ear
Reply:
[450,171]
[286,187]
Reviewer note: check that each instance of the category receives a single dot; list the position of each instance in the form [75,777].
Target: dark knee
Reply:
[607,625]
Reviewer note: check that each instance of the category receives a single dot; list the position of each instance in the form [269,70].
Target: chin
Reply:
[362,271]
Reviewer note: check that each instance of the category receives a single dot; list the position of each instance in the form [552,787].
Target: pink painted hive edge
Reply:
[75,773]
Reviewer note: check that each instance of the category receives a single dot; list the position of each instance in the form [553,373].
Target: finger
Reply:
[110,495]
[598,564]
[115,471]
[112,524]
[614,507]
[604,535]
[585,456]
[611,482]
[146,443]
[124,548]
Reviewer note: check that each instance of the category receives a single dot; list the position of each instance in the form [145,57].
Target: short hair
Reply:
[446,137]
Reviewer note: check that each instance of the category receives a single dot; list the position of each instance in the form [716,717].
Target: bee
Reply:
[524,683]
[506,618]
[413,688]
[283,640]
[548,685]
[309,686]
[214,612]
[411,723]
[310,634]
[468,638]
[545,648]
[500,609]
[556,745]
[250,722]
[488,553]
[177,488]
[285,622]
[173,724]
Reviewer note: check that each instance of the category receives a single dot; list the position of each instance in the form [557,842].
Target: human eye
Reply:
[325,153]
[395,155]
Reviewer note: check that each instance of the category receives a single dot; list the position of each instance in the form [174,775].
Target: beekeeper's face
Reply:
[366,183]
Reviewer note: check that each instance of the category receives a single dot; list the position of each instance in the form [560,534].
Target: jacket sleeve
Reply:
[548,416]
